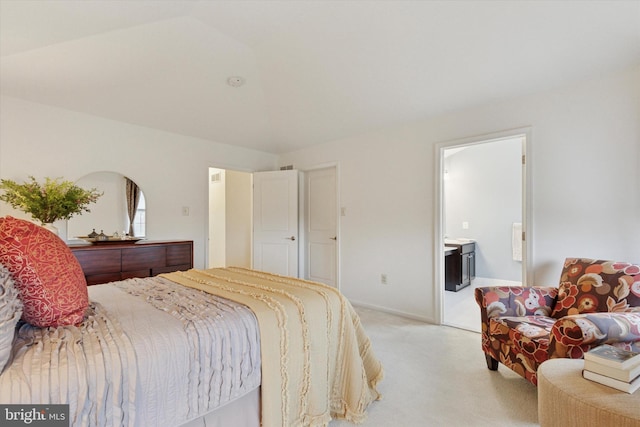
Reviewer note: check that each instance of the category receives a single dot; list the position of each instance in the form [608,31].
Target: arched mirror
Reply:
[121,200]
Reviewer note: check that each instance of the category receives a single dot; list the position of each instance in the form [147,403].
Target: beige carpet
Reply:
[437,376]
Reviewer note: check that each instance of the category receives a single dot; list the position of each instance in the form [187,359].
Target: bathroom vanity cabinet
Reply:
[459,265]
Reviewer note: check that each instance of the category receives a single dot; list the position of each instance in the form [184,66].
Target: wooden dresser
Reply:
[104,263]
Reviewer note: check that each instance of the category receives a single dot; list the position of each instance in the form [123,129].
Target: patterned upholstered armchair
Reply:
[597,302]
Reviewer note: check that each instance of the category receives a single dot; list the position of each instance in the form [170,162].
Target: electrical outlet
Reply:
[465,225]
[185,211]
[383,279]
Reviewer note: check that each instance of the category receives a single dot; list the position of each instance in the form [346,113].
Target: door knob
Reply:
[291,238]
[334,238]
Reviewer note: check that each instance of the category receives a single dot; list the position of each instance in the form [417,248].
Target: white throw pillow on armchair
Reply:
[10,313]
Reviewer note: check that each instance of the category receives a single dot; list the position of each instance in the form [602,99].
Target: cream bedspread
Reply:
[317,362]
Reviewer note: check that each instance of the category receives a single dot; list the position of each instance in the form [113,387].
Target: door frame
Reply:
[302,217]
[527,218]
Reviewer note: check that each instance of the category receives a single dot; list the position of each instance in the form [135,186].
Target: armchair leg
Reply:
[492,363]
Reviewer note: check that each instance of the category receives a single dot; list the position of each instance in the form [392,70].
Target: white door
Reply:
[321,230]
[275,222]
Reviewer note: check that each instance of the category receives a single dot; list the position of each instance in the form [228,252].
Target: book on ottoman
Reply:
[613,367]
[626,375]
[613,356]
[610,382]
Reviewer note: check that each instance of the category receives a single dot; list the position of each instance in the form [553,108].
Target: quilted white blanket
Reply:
[150,353]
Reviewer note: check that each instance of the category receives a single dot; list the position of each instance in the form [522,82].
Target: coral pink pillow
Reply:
[46,273]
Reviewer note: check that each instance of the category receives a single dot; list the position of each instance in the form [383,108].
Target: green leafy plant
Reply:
[48,202]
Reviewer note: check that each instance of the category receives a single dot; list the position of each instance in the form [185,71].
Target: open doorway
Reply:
[482,194]
[230,219]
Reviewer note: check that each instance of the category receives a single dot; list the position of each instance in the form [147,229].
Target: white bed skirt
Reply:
[244,411]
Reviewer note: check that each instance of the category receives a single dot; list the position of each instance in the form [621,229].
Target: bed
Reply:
[222,347]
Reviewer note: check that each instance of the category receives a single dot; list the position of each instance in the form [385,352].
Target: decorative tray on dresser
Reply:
[145,258]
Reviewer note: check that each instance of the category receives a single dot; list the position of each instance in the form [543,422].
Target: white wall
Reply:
[484,189]
[586,180]
[585,150]
[239,228]
[172,169]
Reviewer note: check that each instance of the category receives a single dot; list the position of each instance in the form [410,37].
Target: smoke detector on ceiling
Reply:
[235,81]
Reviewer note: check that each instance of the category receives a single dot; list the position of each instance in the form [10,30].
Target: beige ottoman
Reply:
[566,399]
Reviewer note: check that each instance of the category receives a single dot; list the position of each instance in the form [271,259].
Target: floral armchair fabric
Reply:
[597,302]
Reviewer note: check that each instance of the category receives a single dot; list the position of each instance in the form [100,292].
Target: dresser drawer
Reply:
[144,258]
[96,279]
[179,254]
[99,262]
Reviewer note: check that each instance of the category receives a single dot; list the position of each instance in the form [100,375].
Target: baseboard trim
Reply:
[488,281]
[394,312]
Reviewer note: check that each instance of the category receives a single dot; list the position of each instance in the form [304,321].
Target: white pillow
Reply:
[10,312]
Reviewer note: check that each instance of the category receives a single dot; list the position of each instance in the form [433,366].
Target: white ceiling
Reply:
[315,70]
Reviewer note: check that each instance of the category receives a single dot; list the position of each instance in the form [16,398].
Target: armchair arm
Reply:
[502,301]
[572,336]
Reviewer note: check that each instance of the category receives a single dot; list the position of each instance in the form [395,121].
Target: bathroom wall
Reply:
[483,190]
